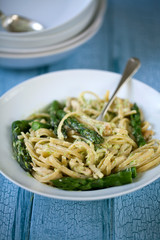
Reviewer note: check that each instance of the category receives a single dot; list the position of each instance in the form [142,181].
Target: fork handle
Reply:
[131,68]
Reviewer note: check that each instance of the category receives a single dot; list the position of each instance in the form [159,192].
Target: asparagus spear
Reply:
[136,126]
[85,132]
[36,125]
[55,106]
[56,114]
[116,179]
[18,127]
[132,170]
[19,149]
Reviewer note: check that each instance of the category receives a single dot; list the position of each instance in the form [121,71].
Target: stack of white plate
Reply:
[68,24]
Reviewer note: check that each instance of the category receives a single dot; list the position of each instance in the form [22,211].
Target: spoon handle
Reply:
[131,68]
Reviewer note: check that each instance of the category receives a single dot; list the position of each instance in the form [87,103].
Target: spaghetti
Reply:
[67,152]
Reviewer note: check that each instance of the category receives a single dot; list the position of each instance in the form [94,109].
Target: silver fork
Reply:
[131,68]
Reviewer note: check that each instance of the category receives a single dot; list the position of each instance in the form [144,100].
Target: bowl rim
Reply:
[70,44]
[36,36]
[46,43]
[58,28]
[87,197]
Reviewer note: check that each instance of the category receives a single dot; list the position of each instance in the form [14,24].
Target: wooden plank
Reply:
[136,33]
[137,215]
[63,220]
[8,199]
[15,211]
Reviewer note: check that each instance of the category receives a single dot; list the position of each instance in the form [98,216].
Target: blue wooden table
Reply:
[130,28]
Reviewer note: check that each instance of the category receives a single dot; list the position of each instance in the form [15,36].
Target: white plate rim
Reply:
[79,197]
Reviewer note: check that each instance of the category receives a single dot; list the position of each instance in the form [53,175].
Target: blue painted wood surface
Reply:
[130,28]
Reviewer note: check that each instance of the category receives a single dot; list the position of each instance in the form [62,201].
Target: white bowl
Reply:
[53,14]
[54,53]
[39,91]
[29,43]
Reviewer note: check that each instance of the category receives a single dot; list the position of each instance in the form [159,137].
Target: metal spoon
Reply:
[17,23]
[131,68]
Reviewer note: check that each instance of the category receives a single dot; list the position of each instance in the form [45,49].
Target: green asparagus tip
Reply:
[37,125]
[76,184]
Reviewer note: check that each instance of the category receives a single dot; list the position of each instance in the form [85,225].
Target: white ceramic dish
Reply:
[53,14]
[54,53]
[27,97]
[34,43]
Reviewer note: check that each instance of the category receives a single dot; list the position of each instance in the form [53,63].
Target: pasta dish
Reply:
[66,147]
